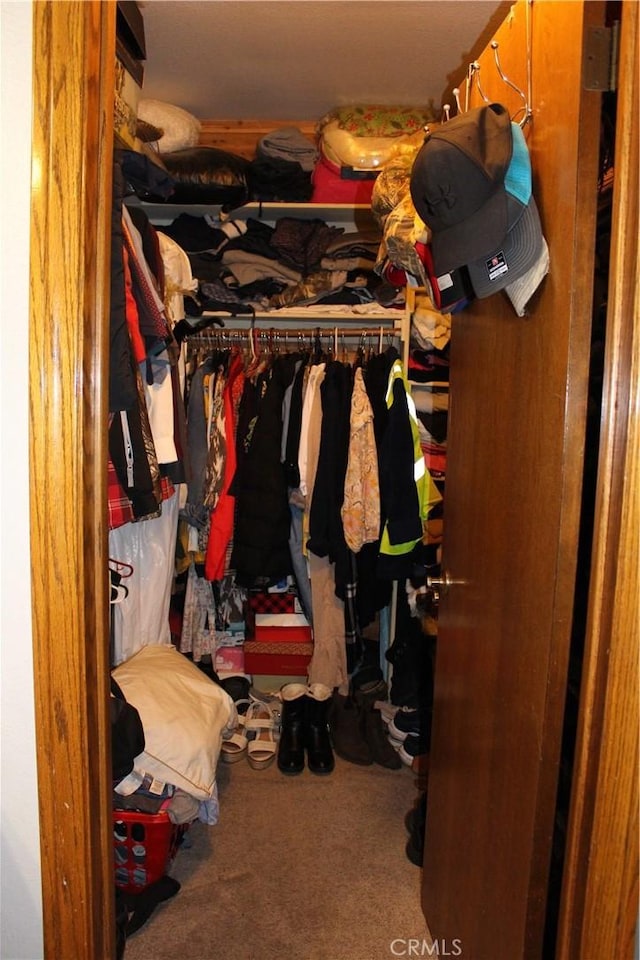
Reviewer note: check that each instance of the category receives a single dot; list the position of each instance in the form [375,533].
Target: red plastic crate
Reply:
[144,845]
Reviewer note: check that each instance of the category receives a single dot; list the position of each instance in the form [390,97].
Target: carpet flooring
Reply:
[297,868]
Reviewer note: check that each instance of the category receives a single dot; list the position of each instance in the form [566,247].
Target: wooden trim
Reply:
[68,353]
[600,889]
[241,136]
[586,107]
[73,56]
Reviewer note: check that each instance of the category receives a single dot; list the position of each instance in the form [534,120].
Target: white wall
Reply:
[20,890]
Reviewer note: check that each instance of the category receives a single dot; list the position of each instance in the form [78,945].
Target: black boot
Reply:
[319,753]
[369,686]
[293,731]
[346,730]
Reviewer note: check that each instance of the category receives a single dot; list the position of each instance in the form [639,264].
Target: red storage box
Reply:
[263,602]
[330,187]
[278,628]
[268,634]
[144,845]
[277,659]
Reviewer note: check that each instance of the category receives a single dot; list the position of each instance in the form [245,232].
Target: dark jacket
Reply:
[261,534]
[122,386]
[326,531]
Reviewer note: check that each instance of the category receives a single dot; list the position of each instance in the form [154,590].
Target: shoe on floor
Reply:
[416,820]
[414,853]
[417,813]
[320,759]
[291,745]
[259,725]
[411,747]
[405,722]
[370,689]
[237,686]
[234,747]
[346,730]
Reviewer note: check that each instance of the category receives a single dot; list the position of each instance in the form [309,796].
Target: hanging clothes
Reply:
[261,536]
[326,532]
[143,617]
[291,435]
[222,516]
[407,490]
[360,511]
[308,471]
[216,438]
[195,512]
[122,390]
[198,634]
[145,449]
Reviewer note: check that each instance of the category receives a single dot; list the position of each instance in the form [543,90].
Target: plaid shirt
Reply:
[119,505]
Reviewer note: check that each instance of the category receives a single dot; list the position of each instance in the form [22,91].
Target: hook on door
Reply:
[474,71]
[505,79]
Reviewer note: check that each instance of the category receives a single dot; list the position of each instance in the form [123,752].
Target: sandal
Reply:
[234,748]
[260,721]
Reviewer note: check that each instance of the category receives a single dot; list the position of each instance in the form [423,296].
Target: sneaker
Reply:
[411,747]
[405,723]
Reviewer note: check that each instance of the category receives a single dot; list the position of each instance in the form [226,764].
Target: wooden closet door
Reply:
[512,509]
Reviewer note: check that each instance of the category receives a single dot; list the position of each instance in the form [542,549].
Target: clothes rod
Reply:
[278,333]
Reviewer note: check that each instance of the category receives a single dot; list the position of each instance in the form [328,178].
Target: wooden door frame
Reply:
[599,904]
[73,90]
[74,51]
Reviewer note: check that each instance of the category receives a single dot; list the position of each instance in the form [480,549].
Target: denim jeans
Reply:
[299,561]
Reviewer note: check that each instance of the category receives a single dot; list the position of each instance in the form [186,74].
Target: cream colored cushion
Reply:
[366,153]
[184,715]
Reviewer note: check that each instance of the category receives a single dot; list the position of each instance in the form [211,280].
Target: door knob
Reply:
[440,585]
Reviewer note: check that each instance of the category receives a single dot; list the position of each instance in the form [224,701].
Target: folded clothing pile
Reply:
[250,264]
[281,170]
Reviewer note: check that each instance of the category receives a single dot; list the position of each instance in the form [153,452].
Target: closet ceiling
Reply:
[296,59]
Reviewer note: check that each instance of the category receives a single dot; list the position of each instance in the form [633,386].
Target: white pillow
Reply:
[184,715]
[181,128]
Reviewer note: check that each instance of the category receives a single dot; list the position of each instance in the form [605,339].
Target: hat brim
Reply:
[521,291]
[511,257]
[447,290]
[468,240]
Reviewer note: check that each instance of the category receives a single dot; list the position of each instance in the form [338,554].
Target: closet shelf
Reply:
[332,213]
[313,315]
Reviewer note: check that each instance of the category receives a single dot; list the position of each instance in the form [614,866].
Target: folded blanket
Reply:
[288,143]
